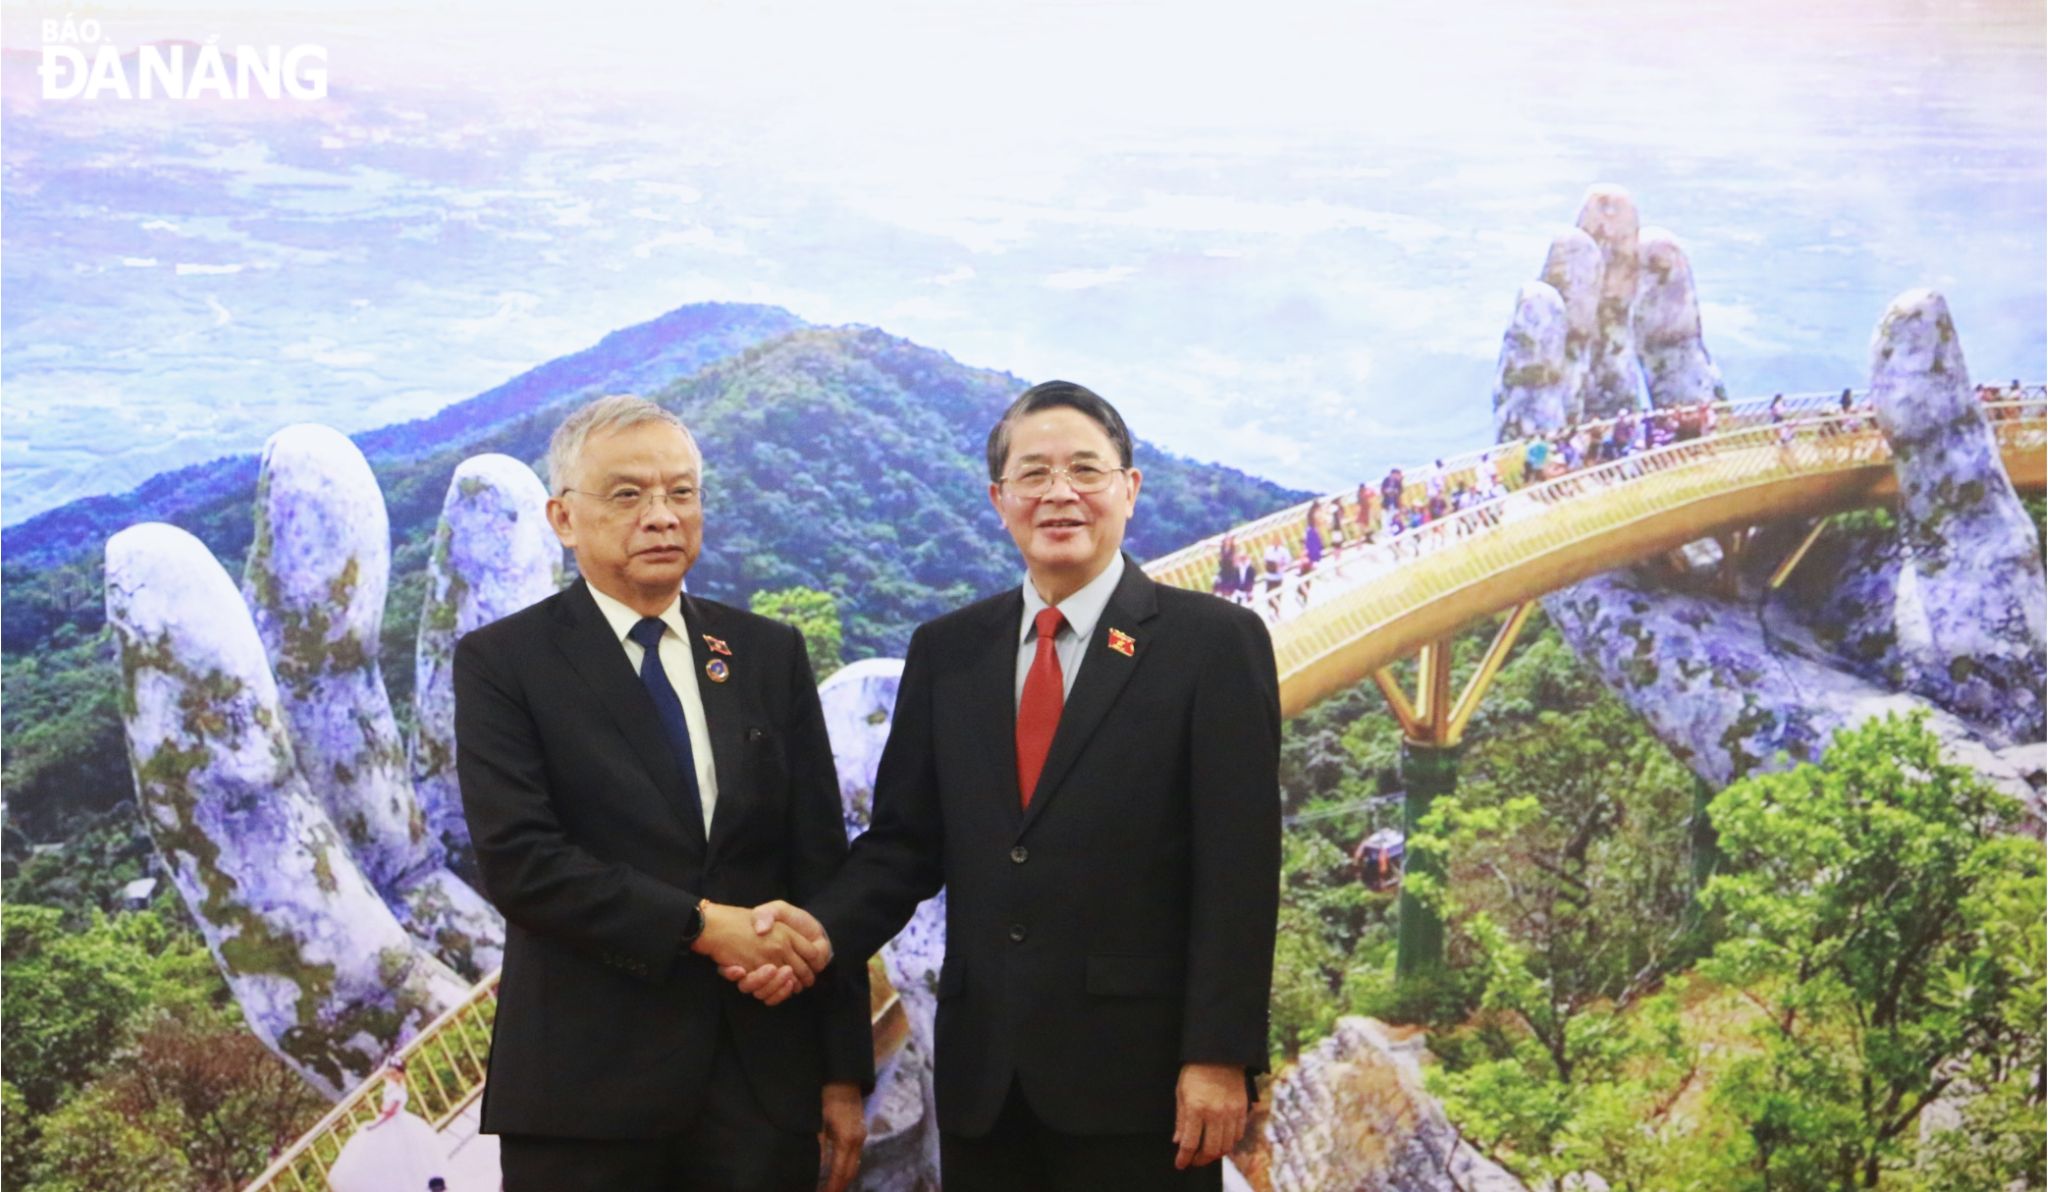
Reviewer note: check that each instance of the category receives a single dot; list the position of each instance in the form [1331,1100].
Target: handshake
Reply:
[771,951]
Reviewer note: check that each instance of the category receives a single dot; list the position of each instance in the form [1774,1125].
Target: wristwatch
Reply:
[696,925]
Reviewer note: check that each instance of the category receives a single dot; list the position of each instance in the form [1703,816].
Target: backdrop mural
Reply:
[1628,417]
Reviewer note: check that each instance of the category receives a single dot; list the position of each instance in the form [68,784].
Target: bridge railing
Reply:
[1552,517]
[444,1069]
[1197,566]
[1508,458]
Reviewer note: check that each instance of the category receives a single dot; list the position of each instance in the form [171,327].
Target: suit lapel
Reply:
[723,718]
[595,654]
[1103,674]
[992,703]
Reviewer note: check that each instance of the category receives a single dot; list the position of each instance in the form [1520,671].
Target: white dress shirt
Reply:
[680,665]
[1082,610]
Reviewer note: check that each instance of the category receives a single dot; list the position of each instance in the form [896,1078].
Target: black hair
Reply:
[1045,396]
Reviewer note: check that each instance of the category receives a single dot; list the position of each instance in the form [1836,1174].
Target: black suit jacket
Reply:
[1124,924]
[606,1024]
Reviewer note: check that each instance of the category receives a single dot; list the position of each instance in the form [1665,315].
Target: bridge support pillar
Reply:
[1427,771]
[1706,844]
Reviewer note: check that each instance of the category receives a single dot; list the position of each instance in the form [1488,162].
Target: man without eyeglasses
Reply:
[1088,765]
[637,766]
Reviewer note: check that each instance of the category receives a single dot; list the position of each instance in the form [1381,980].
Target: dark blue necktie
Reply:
[669,710]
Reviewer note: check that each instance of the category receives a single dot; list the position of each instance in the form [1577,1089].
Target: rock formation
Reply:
[1613,381]
[1969,609]
[903,1141]
[1944,617]
[1614,311]
[1676,367]
[324,972]
[1351,1115]
[1534,393]
[1732,689]
[494,554]
[1573,268]
[316,579]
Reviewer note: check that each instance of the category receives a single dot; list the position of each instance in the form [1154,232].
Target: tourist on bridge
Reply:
[635,763]
[1240,580]
[1392,493]
[1109,922]
[1661,432]
[1621,438]
[1226,552]
[1692,421]
[1279,563]
[396,1149]
[1311,558]
[1489,477]
[1848,423]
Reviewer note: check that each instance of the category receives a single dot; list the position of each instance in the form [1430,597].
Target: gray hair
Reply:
[618,412]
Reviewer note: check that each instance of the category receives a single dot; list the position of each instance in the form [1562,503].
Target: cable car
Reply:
[1378,859]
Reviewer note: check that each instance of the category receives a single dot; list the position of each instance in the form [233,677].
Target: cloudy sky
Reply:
[1287,241]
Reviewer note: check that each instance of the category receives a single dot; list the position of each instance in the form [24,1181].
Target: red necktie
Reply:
[1039,714]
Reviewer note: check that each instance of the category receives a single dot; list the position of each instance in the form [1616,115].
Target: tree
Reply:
[91,1145]
[211,1091]
[1567,893]
[67,1000]
[88,1011]
[815,613]
[1887,926]
[1567,841]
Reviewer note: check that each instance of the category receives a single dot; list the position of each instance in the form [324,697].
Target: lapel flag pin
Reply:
[1123,643]
[717,645]
[718,670]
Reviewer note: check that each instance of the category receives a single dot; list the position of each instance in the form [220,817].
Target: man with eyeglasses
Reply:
[1088,765]
[638,765]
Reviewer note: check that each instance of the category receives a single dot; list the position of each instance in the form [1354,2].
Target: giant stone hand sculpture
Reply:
[493,554]
[1942,615]
[316,581]
[268,762]
[324,972]
[902,1153]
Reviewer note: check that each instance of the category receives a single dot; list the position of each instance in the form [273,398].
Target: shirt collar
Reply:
[1082,609]
[622,618]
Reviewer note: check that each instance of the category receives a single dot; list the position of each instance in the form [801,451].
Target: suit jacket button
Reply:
[1017,933]
[1020,854]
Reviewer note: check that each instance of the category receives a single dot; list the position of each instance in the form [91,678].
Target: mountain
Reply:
[842,459]
[633,360]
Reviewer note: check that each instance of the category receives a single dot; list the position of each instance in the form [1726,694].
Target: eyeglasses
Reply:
[1033,483]
[629,498]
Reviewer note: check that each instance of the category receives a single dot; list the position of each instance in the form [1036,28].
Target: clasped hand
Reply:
[772,951]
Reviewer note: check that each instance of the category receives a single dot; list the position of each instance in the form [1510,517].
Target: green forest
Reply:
[1676,988]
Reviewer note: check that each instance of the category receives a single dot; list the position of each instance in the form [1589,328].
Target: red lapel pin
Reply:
[717,645]
[1123,643]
